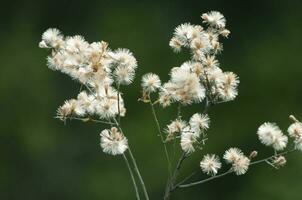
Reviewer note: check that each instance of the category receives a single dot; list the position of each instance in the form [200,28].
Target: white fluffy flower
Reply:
[270,135]
[76,44]
[227,86]
[295,130]
[232,154]
[176,126]
[176,44]
[298,143]
[214,18]
[241,165]
[123,57]
[150,82]
[187,141]
[113,142]
[185,86]
[199,121]
[124,75]
[51,38]
[210,164]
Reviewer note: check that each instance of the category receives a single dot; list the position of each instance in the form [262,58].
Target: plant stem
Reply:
[161,137]
[172,180]
[132,177]
[134,164]
[88,119]
[230,171]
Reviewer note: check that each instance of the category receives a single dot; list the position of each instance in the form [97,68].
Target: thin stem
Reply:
[230,171]
[134,164]
[205,180]
[88,119]
[172,180]
[139,174]
[118,104]
[132,177]
[161,136]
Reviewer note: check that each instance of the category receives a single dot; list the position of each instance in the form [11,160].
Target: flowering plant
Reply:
[101,71]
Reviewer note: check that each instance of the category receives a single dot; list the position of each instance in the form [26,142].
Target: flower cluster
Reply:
[210,164]
[201,76]
[192,133]
[100,71]
[271,135]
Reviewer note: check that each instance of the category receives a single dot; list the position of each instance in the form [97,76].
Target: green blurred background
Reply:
[40,158]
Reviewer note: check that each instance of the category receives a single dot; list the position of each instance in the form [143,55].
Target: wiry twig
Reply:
[88,119]
[230,171]
[161,136]
[134,164]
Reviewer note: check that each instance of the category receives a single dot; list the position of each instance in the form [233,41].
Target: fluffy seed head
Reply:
[113,142]
[210,164]
[150,82]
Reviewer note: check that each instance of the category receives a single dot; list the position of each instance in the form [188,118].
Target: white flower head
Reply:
[241,165]
[210,164]
[270,135]
[51,38]
[298,143]
[176,44]
[295,130]
[150,82]
[232,154]
[113,142]
[124,75]
[123,57]
[199,121]
[227,86]
[67,109]
[76,44]
[187,141]
[214,18]
[176,126]
[185,86]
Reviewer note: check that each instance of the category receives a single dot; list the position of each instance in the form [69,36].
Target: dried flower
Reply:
[113,142]
[210,164]
[150,82]
[271,135]
[199,122]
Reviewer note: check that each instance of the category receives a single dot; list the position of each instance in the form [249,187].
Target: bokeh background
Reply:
[41,158]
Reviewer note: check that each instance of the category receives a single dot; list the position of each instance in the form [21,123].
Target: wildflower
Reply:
[176,44]
[185,87]
[227,86]
[241,165]
[187,141]
[210,164]
[232,154]
[199,121]
[124,75]
[150,82]
[66,110]
[298,143]
[123,57]
[113,142]
[279,161]
[214,18]
[76,44]
[270,135]
[295,130]
[176,126]
[51,38]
